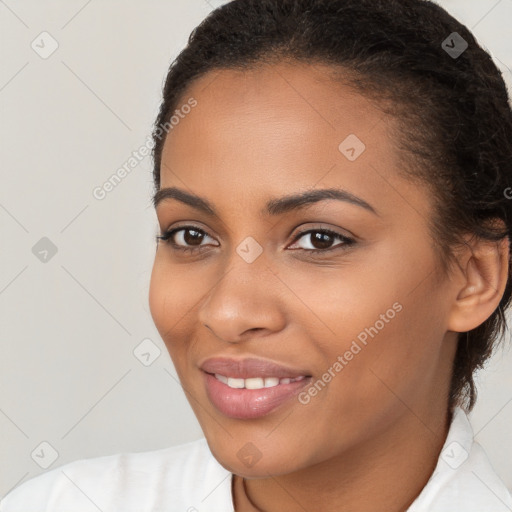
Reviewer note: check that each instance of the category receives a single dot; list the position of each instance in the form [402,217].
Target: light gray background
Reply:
[69,326]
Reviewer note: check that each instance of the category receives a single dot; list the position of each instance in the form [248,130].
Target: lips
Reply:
[226,382]
[250,368]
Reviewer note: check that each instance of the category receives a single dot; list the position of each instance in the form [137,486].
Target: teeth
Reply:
[221,378]
[236,383]
[255,382]
[270,382]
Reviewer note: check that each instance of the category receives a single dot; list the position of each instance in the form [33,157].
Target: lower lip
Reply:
[249,403]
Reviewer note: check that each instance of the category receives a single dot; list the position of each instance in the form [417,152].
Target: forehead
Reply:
[281,128]
[273,96]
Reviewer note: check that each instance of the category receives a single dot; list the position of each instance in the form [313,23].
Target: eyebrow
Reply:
[273,207]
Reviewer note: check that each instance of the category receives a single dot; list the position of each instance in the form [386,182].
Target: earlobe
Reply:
[482,284]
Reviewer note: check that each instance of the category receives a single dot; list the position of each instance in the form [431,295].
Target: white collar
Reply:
[463,479]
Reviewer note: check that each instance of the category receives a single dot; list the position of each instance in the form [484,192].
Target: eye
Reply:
[189,239]
[322,240]
[185,235]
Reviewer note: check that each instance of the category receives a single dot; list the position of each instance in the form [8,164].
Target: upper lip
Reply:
[250,367]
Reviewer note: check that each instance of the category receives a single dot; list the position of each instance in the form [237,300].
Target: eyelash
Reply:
[167,236]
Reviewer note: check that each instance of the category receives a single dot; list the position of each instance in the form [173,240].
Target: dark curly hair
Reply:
[453,124]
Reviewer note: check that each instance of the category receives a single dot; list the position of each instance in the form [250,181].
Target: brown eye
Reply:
[192,236]
[188,238]
[321,240]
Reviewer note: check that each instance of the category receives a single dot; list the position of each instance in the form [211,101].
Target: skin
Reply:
[371,438]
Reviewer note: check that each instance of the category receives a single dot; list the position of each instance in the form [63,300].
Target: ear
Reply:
[481,284]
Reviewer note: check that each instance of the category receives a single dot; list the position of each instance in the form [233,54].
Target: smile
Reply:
[256,382]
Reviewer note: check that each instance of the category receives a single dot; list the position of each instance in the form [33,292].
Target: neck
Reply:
[384,474]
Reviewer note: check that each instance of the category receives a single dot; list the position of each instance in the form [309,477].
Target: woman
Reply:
[332,265]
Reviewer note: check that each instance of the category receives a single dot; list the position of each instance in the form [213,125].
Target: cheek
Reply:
[167,299]
[338,305]
[411,353]
[174,295]
[158,291]
[389,326]
[396,356]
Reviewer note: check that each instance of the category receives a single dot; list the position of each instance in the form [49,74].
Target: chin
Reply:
[245,459]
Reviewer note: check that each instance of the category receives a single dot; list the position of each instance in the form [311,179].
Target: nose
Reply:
[243,303]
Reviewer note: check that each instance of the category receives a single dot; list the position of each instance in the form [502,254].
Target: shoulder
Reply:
[128,481]
[464,478]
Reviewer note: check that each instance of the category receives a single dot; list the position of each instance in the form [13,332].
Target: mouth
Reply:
[256,382]
[250,388]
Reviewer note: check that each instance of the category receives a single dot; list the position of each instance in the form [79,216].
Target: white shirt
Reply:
[187,478]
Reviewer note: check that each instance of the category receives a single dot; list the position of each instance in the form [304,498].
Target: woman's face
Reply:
[363,319]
